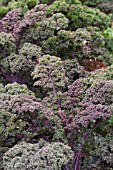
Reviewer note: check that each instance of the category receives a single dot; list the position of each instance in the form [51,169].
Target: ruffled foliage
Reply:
[100,74]
[56,84]
[82,44]
[15,88]
[42,156]
[79,15]
[7,44]
[49,72]
[7,5]
[25,61]
[10,19]
[94,2]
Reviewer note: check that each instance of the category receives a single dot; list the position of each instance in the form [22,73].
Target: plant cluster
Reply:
[56,85]
[42,155]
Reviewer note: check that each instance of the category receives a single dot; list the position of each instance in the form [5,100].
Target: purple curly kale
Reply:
[30,18]
[47,50]
[20,104]
[42,155]
[23,62]
[11,18]
[100,93]
[18,67]
[96,103]
[90,113]
[74,70]
[49,73]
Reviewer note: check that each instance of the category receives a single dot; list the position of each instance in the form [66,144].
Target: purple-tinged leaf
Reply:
[9,77]
[47,123]
[70,119]
[12,78]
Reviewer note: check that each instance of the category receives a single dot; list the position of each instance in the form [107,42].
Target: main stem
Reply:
[61,114]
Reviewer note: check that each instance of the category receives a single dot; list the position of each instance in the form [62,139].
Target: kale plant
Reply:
[56,85]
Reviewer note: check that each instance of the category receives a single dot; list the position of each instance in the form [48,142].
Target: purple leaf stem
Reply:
[48,124]
[66,167]
[77,157]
